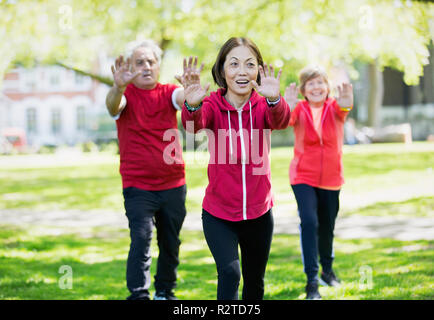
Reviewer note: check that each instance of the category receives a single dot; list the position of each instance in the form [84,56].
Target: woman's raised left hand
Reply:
[270,83]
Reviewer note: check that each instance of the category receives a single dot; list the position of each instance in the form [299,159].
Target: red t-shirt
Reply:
[147,161]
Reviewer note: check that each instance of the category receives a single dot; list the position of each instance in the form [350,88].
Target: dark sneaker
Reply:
[312,292]
[143,296]
[329,279]
[165,295]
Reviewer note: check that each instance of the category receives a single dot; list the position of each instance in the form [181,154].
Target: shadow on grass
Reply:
[415,207]
[381,163]
[35,280]
[368,268]
[30,265]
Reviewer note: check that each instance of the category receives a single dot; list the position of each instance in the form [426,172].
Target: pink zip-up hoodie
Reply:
[239,173]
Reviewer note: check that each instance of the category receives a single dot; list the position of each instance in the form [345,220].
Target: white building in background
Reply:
[55,106]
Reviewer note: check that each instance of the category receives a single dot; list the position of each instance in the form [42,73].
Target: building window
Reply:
[54,78]
[81,118]
[31,120]
[79,79]
[55,121]
[30,80]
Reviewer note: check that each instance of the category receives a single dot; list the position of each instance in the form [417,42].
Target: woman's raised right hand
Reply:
[291,95]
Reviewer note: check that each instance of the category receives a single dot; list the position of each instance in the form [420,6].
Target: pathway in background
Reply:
[354,226]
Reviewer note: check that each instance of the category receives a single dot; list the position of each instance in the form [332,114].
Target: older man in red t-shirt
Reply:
[154,189]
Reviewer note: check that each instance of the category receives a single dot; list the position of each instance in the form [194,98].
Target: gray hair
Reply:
[132,46]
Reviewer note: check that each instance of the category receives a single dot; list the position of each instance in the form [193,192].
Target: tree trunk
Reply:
[376,92]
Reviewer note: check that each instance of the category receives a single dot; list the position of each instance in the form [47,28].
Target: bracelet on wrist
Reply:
[192,109]
[273,103]
[346,108]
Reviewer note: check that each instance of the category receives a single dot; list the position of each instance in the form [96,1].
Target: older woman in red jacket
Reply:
[316,171]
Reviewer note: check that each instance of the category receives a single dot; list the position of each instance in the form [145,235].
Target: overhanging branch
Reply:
[105,80]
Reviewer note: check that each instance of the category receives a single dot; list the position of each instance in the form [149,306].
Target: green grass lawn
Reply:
[370,269]
[30,256]
[81,184]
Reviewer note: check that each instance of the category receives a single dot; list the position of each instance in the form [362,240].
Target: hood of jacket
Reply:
[217,98]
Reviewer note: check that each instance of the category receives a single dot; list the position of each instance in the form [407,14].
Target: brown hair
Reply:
[217,69]
[311,72]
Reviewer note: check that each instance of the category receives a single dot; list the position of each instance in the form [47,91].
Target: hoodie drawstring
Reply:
[251,122]
[230,134]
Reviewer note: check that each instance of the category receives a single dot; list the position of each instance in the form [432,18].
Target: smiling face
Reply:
[240,68]
[144,60]
[316,90]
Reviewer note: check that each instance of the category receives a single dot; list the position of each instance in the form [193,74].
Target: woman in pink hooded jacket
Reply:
[238,199]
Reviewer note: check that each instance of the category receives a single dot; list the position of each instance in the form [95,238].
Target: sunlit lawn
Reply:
[30,256]
[96,184]
[370,269]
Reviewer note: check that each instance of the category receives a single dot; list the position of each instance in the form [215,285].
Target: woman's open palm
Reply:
[270,84]
[193,91]
[291,95]
[345,97]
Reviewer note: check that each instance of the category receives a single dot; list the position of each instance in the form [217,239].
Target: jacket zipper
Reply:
[321,167]
[324,114]
[243,163]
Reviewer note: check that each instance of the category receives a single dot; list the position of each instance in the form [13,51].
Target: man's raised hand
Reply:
[122,75]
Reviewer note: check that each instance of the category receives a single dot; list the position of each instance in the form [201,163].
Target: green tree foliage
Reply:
[290,34]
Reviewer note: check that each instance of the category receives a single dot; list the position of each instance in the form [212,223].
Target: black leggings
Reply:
[318,209]
[254,238]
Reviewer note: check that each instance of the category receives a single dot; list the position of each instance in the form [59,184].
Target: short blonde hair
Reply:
[311,72]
